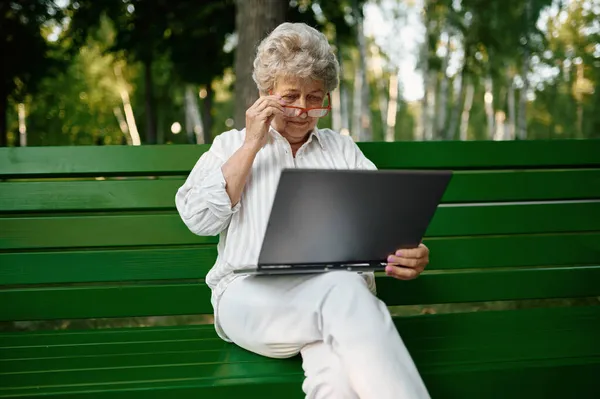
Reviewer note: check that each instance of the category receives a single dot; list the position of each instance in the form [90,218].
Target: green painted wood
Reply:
[527,185]
[483,154]
[515,219]
[513,251]
[522,322]
[99,160]
[168,229]
[96,231]
[105,335]
[424,334]
[181,299]
[443,346]
[179,159]
[106,195]
[107,265]
[212,364]
[194,262]
[105,301]
[110,195]
[540,380]
[492,285]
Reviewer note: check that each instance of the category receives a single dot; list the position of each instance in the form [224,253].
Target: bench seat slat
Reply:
[465,186]
[194,262]
[453,324]
[182,299]
[537,380]
[539,339]
[174,346]
[168,229]
[214,364]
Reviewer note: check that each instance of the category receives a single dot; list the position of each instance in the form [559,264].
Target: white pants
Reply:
[350,348]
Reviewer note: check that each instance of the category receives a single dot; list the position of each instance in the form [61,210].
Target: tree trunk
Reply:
[193,121]
[466,113]
[459,100]
[365,133]
[207,117]
[511,107]
[442,100]
[522,121]
[3,108]
[422,131]
[488,99]
[254,20]
[150,107]
[22,125]
[392,108]
[431,100]
[383,101]
[357,104]
[343,90]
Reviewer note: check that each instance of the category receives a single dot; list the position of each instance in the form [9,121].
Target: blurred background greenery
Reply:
[91,72]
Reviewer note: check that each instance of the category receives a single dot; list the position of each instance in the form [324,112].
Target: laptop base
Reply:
[309,269]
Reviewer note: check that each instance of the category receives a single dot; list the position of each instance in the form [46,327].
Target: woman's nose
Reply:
[301,102]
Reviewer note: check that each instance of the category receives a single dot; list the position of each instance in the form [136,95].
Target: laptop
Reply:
[324,220]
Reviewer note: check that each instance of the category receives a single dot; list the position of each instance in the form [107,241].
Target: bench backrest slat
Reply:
[520,220]
[194,298]
[43,232]
[177,160]
[177,263]
[158,194]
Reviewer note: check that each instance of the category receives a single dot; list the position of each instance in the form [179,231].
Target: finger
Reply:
[407,262]
[269,113]
[420,252]
[401,273]
[266,104]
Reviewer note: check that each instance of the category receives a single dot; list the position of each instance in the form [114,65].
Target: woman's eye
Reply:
[314,99]
[289,98]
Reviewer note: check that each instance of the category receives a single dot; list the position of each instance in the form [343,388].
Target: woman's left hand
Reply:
[407,264]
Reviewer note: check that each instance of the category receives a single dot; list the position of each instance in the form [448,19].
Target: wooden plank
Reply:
[492,285]
[179,159]
[168,229]
[485,252]
[518,218]
[522,322]
[526,185]
[469,351]
[181,299]
[165,263]
[99,160]
[211,364]
[96,231]
[105,301]
[95,348]
[107,265]
[63,338]
[540,380]
[92,195]
[483,154]
[466,186]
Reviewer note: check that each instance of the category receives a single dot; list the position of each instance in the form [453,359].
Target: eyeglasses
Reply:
[317,112]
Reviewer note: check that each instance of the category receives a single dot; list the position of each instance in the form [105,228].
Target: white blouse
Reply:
[206,209]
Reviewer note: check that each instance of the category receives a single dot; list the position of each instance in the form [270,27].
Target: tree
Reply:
[254,20]
[29,56]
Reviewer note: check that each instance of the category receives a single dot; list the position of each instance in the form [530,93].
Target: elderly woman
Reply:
[349,345]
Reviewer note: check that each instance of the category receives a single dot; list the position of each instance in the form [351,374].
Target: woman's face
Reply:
[304,93]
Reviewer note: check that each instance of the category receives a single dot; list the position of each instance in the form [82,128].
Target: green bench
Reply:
[91,232]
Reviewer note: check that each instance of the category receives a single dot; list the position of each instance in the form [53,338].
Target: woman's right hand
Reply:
[258,120]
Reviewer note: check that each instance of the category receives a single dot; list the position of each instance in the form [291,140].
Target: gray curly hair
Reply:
[295,49]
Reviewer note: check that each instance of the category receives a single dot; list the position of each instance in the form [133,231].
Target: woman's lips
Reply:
[298,123]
